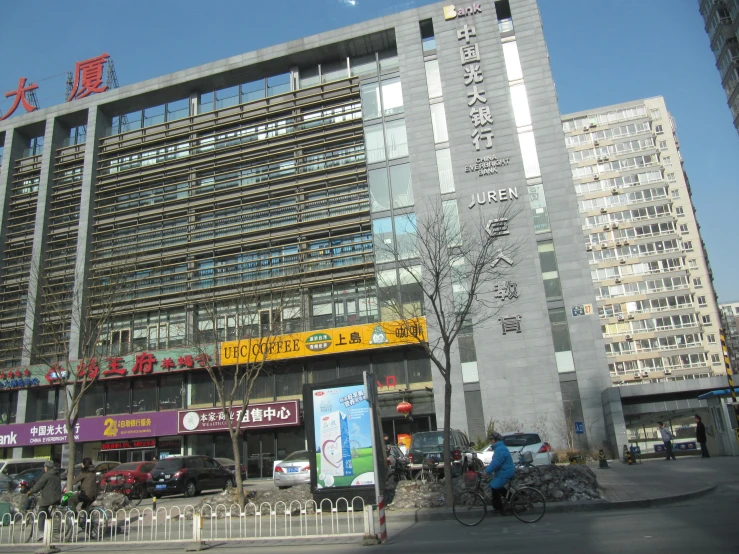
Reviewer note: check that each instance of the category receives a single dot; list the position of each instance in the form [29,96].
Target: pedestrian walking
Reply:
[667,437]
[700,436]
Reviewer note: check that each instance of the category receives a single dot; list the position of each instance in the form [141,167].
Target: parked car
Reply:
[230,465]
[429,444]
[4,483]
[293,470]
[124,477]
[25,480]
[527,441]
[188,475]
[13,466]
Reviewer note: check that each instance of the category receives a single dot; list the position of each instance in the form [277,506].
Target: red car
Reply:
[129,479]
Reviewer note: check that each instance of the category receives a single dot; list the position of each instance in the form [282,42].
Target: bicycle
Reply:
[135,493]
[428,471]
[526,503]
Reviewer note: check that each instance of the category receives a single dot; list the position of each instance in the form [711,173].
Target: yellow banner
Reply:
[326,341]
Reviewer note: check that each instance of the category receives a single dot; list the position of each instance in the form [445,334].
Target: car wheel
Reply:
[190,489]
[229,483]
[282,488]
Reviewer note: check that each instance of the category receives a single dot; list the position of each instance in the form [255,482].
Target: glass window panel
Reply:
[561,338]
[438,122]
[227,97]
[388,60]
[253,90]
[308,76]
[528,153]
[205,102]
[444,166]
[451,220]
[402,186]
[118,397]
[470,373]
[171,392]
[419,370]
[550,275]
[371,100]
[289,382]
[353,366]
[520,105]
[321,371]
[278,84]
[379,191]
[364,65]
[8,406]
[411,291]
[389,369]
[202,391]
[93,401]
[433,78]
[264,388]
[322,315]
[178,109]
[512,61]
[397,140]
[334,71]
[382,230]
[41,405]
[539,211]
[405,236]
[375,144]
[144,395]
[154,116]
[200,445]
[392,97]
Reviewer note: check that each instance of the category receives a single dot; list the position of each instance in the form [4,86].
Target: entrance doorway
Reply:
[260,455]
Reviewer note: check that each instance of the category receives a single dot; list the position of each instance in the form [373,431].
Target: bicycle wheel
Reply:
[469,508]
[137,495]
[22,529]
[62,526]
[528,505]
[97,523]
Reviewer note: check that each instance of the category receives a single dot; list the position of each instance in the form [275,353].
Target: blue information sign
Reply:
[579,427]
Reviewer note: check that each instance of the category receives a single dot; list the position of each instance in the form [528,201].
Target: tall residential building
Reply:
[722,25]
[730,325]
[292,168]
[648,263]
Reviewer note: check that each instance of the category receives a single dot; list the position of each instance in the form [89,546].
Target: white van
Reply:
[13,466]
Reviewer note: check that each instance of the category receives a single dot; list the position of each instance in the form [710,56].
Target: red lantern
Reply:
[404,408]
[2,375]
[18,373]
[27,372]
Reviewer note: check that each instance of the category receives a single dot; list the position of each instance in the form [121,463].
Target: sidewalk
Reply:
[651,483]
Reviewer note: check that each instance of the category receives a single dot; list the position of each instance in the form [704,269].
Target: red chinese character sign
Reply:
[20,98]
[88,77]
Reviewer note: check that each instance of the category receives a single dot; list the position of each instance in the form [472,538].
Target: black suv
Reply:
[430,445]
[187,475]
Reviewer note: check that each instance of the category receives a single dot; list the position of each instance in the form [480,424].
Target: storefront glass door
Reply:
[260,455]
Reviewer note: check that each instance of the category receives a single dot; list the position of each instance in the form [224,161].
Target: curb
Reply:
[441,514]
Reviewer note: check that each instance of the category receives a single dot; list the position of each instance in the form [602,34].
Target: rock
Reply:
[18,502]
[112,501]
[556,483]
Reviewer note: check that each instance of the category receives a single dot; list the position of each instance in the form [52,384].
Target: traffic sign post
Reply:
[579,428]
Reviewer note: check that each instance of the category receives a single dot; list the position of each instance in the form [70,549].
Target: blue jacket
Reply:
[501,465]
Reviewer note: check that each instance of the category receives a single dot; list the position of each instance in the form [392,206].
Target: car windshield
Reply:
[126,467]
[225,461]
[169,463]
[299,456]
[521,439]
[427,440]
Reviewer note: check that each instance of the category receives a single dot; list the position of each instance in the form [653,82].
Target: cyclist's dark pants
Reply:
[81,501]
[498,495]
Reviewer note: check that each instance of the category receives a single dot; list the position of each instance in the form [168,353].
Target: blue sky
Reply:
[602,52]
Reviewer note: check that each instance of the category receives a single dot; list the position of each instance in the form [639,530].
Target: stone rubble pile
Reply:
[294,499]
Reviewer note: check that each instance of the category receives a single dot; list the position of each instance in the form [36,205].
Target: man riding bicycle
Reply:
[50,486]
[88,487]
[502,466]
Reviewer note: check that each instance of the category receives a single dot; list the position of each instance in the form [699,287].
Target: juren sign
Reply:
[452,12]
[501,195]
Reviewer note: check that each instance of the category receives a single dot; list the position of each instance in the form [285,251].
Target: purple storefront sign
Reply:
[149,424]
[269,414]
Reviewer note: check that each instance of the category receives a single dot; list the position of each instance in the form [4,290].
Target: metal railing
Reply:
[263,520]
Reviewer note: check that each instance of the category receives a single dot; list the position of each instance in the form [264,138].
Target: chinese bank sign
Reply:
[326,341]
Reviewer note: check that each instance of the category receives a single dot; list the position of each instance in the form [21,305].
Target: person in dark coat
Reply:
[700,436]
[50,486]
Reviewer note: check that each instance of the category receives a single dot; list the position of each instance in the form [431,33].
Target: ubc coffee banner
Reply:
[145,424]
[267,414]
[341,419]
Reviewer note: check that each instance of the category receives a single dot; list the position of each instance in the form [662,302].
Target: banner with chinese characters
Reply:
[145,424]
[326,341]
[256,416]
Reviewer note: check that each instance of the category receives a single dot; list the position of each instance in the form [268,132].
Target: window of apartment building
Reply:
[688,245]
[392,97]
[375,144]
[679,210]
[438,122]
[654,113]
[396,138]
[549,272]
[401,185]
[663,145]
[711,338]
[667,160]
[693,264]
[675,193]
[379,189]
[697,282]
[706,319]
[684,228]
[658,129]
[371,107]
[433,78]
[702,301]
[444,167]
[428,42]
[716,359]
[401,243]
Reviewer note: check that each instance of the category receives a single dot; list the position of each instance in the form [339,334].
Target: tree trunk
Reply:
[69,421]
[237,466]
[448,487]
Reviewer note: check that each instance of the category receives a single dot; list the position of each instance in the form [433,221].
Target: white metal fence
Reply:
[281,520]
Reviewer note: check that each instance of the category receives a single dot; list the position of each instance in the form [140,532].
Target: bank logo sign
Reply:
[452,12]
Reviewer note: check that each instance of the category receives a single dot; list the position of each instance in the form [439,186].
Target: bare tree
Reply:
[565,428]
[452,274]
[256,316]
[63,310]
